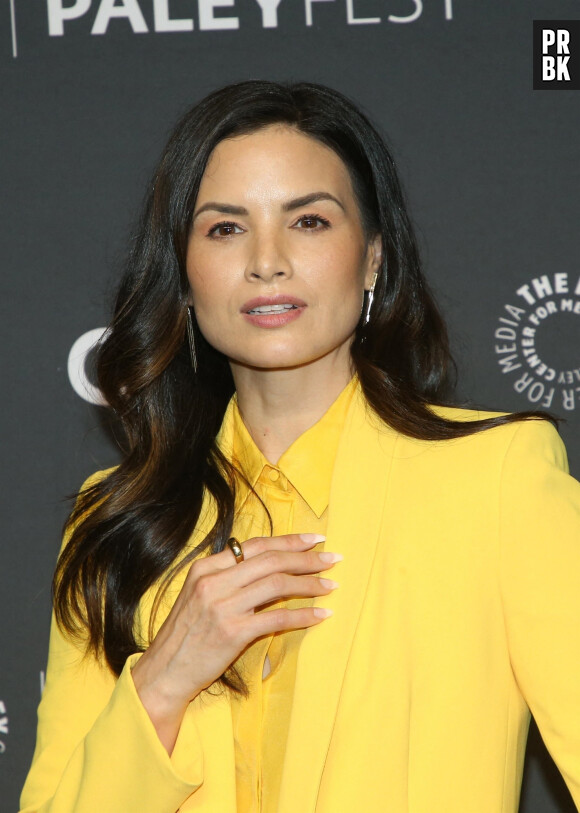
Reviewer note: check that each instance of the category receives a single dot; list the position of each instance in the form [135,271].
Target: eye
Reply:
[225,229]
[313,222]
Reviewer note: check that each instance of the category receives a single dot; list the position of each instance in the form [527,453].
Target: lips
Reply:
[272,312]
[272,304]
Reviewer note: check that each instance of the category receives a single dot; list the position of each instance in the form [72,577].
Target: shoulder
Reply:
[535,454]
[489,454]
[84,504]
[539,501]
[519,437]
[526,458]
[464,414]
[95,478]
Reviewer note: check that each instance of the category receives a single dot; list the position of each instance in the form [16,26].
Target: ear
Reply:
[374,260]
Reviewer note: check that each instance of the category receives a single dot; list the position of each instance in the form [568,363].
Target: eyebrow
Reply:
[289,206]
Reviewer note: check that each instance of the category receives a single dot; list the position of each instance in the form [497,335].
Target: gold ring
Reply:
[236,549]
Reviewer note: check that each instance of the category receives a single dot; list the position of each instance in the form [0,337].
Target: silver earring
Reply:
[191,340]
[370,300]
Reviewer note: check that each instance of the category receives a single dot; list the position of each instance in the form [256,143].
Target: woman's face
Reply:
[277,260]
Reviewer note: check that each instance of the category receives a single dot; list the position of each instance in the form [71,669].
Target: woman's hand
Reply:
[213,620]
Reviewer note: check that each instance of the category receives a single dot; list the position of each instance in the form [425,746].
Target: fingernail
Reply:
[330,583]
[312,539]
[331,557]
[322,612]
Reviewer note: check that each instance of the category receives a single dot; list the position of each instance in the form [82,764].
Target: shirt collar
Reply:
[308,463]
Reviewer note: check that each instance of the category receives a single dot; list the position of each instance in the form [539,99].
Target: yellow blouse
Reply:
[296,492]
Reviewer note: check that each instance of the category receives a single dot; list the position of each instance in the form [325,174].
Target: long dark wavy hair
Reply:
[129,531]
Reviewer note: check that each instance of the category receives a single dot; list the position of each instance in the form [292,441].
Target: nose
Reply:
[268,259]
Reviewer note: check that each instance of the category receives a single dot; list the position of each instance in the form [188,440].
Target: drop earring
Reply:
[370,299]
[191,339]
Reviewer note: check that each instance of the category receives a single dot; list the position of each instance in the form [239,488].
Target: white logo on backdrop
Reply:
[76,368]
[3,726]
[538,341]
[101,12]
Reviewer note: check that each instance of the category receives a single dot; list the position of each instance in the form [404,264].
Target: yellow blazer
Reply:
[458,611]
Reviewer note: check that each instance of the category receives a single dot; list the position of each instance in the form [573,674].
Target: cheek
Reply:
[341,316]
[340,287]
[208,283]
[210,296]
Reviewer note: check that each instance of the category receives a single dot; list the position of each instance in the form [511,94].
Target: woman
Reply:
[197,659]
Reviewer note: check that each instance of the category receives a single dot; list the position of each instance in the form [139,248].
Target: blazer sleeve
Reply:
[540,584]
[97,750]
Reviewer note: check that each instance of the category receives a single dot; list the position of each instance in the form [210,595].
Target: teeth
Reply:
[272,308]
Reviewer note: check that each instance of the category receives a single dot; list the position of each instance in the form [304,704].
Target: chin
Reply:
[275,363]
[283,358]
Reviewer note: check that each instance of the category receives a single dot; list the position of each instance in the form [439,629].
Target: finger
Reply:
[277,562]
[260,544]
[282,619]
[281,586]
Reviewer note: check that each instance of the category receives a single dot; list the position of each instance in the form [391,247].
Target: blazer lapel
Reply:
[357,500]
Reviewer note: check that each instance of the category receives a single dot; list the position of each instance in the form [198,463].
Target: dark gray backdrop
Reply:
[492,173]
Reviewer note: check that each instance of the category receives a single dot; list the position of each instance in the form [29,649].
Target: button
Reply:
[274,475]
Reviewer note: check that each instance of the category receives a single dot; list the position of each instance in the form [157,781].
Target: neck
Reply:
[278,406]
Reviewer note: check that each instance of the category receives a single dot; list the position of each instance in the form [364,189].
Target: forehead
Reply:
[276,156]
